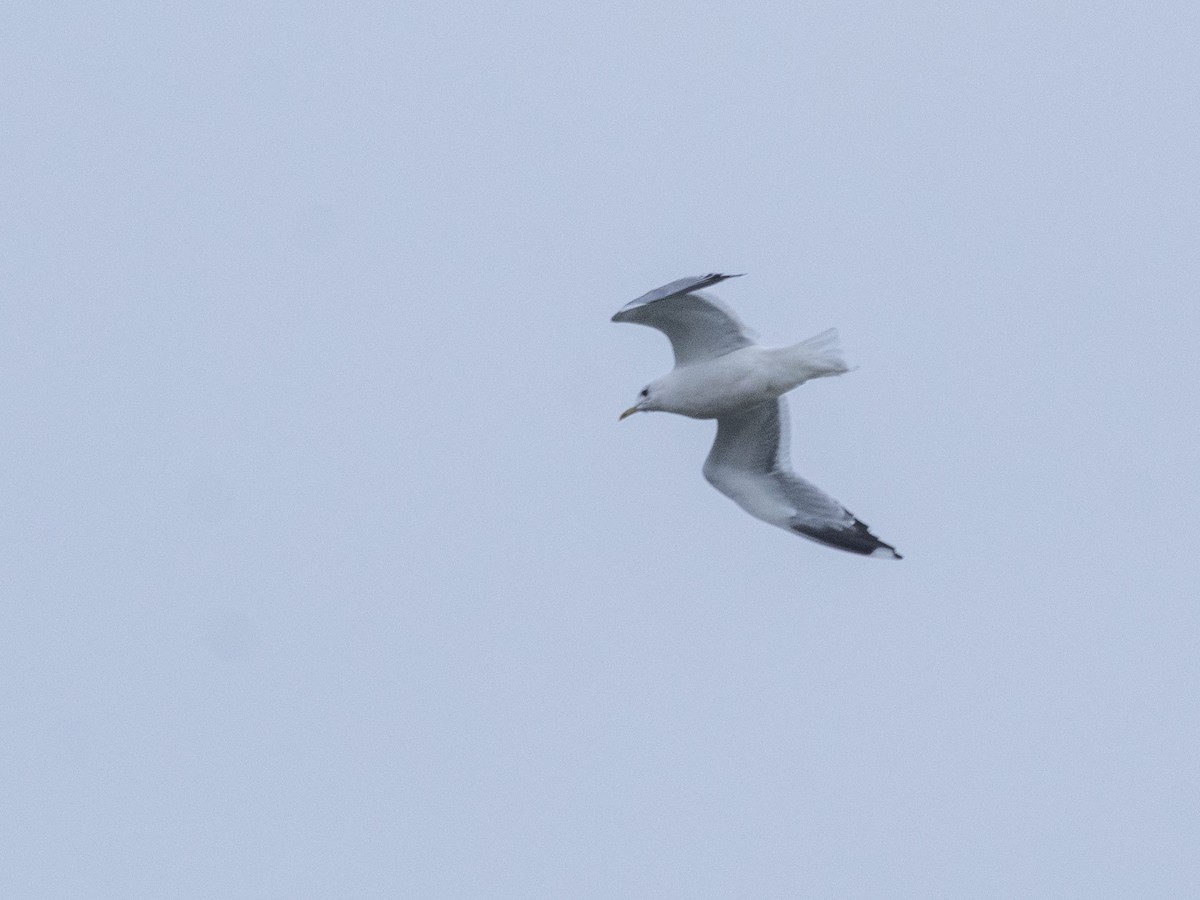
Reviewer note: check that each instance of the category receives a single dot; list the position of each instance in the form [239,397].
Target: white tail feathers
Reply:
[818,356]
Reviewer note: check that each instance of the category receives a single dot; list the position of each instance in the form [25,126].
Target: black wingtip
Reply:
[857,539]
[880,546]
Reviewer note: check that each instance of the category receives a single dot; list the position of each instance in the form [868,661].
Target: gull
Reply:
[722,373]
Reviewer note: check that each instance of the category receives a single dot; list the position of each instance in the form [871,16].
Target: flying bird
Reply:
[722,373]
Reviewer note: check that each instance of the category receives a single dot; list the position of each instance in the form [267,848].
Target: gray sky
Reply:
[328,571]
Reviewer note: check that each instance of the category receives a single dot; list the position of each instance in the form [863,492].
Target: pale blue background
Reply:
[327,570]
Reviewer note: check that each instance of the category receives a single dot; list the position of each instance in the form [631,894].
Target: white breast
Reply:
[719,386]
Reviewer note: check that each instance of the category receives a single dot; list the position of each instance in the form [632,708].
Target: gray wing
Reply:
[699,326]
[749,464]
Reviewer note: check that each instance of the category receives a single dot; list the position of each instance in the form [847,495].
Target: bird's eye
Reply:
[645,392]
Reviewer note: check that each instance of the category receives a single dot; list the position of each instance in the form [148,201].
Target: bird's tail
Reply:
[819,356]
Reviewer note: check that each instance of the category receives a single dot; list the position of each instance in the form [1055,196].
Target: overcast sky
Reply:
[327,570]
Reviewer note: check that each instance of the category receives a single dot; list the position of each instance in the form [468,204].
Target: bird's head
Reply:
[645,402]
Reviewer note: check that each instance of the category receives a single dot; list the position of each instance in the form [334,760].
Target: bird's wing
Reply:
[749,464]
[699,326]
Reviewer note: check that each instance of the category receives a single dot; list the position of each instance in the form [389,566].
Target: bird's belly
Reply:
[725,385]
